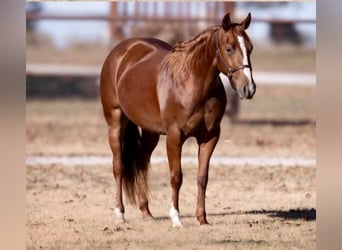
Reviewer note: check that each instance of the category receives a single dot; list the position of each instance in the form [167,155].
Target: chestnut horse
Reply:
[149,88]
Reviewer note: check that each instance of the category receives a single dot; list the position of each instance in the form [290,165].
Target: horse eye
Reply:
[229,50]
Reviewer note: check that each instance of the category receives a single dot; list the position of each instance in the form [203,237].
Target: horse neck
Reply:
[192,62]
[204,69]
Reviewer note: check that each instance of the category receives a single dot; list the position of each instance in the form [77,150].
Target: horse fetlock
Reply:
[119,215]
[145,211]
[200,212]
[202,219]
[174,215]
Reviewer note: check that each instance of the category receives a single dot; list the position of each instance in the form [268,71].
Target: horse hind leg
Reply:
[148,143]
[116,126]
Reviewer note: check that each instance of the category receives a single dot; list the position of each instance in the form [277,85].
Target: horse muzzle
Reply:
[247,91]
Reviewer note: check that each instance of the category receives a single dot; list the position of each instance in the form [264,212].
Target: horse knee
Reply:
[202,181]
[176,180]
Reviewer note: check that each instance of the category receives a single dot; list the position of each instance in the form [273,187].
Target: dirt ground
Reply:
[247,207]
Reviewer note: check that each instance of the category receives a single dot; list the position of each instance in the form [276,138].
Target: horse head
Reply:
[233,50]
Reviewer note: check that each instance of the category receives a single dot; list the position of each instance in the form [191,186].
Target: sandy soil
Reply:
[248,208]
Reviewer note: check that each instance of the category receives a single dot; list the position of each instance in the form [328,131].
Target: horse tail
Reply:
[134,170]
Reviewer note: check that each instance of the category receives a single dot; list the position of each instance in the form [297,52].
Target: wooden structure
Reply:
[160,11]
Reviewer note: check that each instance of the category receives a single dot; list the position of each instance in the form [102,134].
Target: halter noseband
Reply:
[230,71]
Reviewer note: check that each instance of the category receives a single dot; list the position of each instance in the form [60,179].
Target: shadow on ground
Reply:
[292,214]
[276,122]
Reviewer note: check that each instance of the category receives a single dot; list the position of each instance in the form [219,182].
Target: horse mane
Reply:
[187,54]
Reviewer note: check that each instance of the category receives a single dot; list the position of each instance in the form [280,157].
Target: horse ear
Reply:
[245,23]
[226,22]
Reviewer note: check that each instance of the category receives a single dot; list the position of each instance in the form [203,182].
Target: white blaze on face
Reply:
[246,71]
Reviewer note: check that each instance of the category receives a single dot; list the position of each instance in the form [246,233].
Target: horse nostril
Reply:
[250,94]
[245,90]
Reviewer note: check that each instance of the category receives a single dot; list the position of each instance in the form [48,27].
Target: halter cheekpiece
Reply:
[230,71]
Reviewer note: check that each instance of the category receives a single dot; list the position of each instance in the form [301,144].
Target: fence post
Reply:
[229,7]
[115,27]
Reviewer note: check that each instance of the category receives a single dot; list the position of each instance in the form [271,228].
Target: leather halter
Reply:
[230,71]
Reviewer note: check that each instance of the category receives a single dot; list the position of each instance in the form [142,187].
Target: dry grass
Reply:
[287,58]
[279,121]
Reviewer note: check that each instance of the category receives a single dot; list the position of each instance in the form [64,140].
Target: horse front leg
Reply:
[206,145]
[174,143]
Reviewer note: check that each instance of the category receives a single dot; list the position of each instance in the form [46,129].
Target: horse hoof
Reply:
[119,216]
[202,220]
[177,225]
[148,217]
[119,221]
[204,223]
